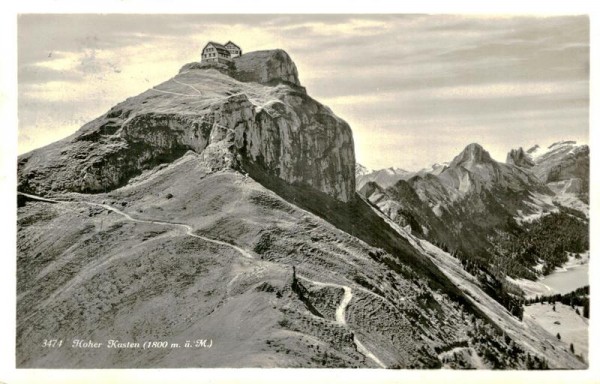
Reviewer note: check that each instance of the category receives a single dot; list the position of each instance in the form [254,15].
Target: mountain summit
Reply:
[519,158]
[253,111]
[471,155]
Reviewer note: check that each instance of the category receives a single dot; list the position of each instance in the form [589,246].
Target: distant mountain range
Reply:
[467,206]
[472,190]
[563,166]
[387,177]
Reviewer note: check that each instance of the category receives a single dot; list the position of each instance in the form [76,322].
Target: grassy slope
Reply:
[358,219]
[130,282]
[573,328]
[102,277]
[528,333]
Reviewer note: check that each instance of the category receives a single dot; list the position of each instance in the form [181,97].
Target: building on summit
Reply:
[219,53]
[234,49]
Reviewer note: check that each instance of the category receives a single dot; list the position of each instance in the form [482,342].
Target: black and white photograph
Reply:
[389,192]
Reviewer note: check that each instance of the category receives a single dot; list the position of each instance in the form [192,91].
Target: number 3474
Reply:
[52,343]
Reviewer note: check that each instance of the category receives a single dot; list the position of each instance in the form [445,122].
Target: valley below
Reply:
[572,275]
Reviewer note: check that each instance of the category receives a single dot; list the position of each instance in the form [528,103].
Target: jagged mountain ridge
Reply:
[384,177]
[563,166]
[387,177]
[207,191]
[490,214]
[519,158]
[464,203]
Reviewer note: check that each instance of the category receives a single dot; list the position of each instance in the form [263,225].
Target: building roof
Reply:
[231,42]
[219,47]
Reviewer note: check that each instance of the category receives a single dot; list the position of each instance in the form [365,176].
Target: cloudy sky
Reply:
[415,89]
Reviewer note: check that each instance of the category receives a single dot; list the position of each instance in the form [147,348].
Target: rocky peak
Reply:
[266,67]
[533,149]
[519,158]
[361,170]
[472,154]
[269,67]
[252,115]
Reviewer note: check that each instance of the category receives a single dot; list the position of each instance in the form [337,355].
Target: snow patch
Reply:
[465,183]
[537,152]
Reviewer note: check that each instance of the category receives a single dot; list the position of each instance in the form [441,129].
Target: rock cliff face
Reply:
[266,67]
[562,161]
[253,111]
[519,158]
[562,164]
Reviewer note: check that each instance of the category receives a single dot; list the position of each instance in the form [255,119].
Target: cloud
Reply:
[414,88]
[510,90]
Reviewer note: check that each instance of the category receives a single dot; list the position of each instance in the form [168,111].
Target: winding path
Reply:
[188,229]
[188,85]
[340,312]
[172,93]
[340,316]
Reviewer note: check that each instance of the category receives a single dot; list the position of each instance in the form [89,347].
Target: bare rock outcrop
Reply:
[564,166]
[266,67]
[252,111]
[519,158]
